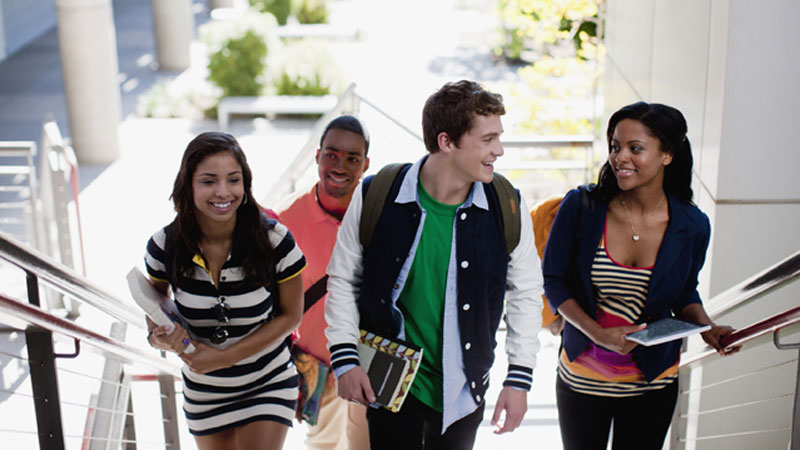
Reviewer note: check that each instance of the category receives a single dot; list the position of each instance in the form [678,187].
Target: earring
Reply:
[244,202]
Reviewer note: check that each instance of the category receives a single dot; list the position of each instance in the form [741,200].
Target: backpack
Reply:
[543,215]
[381,184]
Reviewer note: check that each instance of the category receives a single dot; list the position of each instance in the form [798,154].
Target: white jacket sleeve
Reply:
[523,306]
[344,285]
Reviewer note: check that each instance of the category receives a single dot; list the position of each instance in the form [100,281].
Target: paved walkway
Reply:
[403,54]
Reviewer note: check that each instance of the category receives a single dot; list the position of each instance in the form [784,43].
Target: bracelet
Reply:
[149,334]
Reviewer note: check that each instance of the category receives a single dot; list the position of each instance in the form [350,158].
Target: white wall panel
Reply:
[680,58]
[760,157]
[749,238]
[707,153]
[629,41]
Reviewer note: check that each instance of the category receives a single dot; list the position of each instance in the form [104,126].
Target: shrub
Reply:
[169,98]
[312,11]
[281,9]
[240,51]
[307,69]
[238,67]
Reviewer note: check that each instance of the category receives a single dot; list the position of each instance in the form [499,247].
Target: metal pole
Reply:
[130,430]
[169,411]
[46,401]
[44,379]
[677,431]
[106,399]
[794,439]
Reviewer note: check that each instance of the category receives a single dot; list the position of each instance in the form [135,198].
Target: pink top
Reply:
[314,230]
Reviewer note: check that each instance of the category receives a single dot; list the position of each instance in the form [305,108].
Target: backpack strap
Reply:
[377,190]
[508,198]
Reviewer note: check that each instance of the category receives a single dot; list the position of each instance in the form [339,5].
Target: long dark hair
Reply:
[668,125]
[250,237]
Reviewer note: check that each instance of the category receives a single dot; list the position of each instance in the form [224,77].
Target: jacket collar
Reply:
[673,243]
[672,246]
[408,189]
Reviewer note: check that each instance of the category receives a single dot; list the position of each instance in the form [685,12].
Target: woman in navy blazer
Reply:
[639,222]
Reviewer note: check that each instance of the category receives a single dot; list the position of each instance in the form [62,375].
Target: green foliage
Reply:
[562,41]
[542,27]
[312,11]
[239,52]
[281,9]
[300,85]
[307,69]
[238,67]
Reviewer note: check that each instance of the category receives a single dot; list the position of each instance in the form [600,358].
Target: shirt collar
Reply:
[408,189]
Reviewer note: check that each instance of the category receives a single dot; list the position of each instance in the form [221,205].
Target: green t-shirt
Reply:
[422,298]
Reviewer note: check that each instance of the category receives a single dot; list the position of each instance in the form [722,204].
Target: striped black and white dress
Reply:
[260,387]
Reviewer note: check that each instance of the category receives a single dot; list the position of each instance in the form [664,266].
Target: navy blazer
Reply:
[567,265]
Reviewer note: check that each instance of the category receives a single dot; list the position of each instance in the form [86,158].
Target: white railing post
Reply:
[102,429]
[169,411]
[794,437]
[62,238]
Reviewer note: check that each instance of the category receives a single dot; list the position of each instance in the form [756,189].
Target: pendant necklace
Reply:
[635,235]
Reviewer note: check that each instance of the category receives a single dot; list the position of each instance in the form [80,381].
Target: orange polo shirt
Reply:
[314,230]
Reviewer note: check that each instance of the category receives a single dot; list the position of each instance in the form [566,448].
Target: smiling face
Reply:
[635,156]
[478,149]
[217,188]
[341,161]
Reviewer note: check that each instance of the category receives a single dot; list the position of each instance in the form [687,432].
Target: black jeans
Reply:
[417,426]
[640,422]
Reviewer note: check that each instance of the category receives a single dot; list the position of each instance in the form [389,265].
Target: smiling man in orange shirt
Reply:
[314,219]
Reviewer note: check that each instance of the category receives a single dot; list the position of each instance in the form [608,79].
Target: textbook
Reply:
[665,330]
[391,366]
[160,308]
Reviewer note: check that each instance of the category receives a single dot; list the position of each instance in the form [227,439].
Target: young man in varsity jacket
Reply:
[436,273]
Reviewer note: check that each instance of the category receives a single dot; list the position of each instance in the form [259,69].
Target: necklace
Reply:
[635,235]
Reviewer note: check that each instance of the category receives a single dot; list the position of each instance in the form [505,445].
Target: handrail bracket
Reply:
[776,339]
[77,343]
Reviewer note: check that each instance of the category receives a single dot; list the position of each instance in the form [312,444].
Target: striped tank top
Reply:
[620,293]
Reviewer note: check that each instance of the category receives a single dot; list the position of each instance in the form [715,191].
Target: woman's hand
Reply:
[714,336]
[695,313]
[614,338]
[206,359]
[610,338]
[177,341]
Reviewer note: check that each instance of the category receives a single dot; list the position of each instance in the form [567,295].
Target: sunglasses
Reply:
[220,334]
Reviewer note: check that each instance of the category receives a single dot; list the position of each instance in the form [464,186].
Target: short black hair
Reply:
[347,123]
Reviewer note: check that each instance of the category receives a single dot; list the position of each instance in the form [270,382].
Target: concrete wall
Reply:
[23,21]
[731,66]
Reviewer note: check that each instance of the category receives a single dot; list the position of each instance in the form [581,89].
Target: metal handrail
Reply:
[741,336]
[106,345]
[752,288]
[685,424]
[68,281]
[756,286]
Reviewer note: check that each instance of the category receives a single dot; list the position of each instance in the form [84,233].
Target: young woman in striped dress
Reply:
[235,277]
[619,256]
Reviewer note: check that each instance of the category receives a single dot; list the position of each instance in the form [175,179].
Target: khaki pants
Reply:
[341,425]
